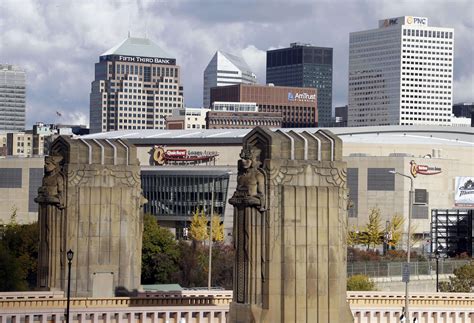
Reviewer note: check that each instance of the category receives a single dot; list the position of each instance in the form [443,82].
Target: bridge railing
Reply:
[390,269]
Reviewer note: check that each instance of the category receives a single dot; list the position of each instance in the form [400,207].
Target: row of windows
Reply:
[428,33]
[139,70]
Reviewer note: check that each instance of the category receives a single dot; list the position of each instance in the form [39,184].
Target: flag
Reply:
[59,114]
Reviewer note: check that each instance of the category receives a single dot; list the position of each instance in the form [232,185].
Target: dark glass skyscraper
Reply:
[303,65]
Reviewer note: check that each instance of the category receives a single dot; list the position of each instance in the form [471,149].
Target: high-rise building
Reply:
[12,98]
[304,65]
[136,86]
[225,69]
[401,74]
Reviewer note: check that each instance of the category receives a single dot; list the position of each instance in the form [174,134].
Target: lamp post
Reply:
[210,236]
[69,255]
[437,255]
[410,206]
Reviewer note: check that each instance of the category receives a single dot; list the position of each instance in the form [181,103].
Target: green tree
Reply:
[360,283]
[12,276]
[462,281]
[372,230]
[198,229]
[20,241]
[352,237]
[159,253]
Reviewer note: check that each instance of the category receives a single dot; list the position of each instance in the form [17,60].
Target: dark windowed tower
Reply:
[303,65]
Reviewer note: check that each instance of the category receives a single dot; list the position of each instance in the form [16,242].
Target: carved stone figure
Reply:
[250,180]
[52,189]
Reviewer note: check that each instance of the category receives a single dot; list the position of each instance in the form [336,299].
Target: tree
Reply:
[360,283]
[352,237]
[462,281]
[159,253]
[372,230]
[217,229]
[396,229]
[20,242]
[198,229]
[12,277]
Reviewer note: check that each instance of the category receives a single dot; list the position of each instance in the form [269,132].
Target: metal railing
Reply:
[390,269]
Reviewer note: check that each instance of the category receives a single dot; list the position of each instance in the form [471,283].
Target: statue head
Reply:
[51,163]
[250,157]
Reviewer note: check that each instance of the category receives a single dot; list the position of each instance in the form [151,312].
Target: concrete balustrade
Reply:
[200,306]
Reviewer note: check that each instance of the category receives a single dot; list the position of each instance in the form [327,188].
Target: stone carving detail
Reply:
[52,190]
[250,201]
[250,180]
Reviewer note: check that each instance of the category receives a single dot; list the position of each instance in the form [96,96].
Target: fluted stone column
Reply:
[290,228]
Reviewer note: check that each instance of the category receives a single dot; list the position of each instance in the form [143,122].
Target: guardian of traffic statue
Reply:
[289,229]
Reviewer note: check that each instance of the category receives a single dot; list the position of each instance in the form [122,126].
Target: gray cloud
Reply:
[58,41]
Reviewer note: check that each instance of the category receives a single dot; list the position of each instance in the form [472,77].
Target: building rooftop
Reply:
[409,135]
[239,62]
[134,46]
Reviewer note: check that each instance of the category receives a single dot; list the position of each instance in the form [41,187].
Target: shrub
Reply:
[360,283]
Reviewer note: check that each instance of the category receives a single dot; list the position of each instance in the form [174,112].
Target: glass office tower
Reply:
[304,65]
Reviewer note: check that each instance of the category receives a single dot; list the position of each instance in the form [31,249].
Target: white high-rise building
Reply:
[225,69]
[12,98]
[401,74]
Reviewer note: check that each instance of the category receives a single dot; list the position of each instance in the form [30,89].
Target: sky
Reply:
[58,42]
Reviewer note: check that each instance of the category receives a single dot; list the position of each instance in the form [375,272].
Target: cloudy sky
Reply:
[58,41]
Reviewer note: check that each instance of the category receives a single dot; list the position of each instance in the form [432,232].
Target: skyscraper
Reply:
[401,74]
[225,69]
[136,86]
[304,65]
[12,98]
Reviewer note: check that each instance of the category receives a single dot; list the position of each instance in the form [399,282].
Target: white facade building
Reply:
[187,118]
[235,106]
[136,86]
[401,74]
[225,69]
[12,98]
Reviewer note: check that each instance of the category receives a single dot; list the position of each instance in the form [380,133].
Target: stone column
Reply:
[90,202]
[290,229]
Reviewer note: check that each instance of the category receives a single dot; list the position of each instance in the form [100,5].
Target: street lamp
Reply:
[437,256]
[69,255]
[210,233]
[410,206]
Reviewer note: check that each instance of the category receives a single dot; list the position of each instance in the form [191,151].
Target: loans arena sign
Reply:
[416,169]
[163,156]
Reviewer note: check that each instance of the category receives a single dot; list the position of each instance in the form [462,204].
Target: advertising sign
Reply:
[301,97]
[418,21]
[141,59]
[416,169]
[162,156]
[464,192]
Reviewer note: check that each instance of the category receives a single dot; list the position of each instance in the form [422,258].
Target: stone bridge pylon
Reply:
[290,229]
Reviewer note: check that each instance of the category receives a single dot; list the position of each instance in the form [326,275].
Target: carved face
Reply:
[51,163]
[246,163]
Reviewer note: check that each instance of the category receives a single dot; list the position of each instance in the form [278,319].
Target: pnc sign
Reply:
[423,169]
[421,21]
[390,22]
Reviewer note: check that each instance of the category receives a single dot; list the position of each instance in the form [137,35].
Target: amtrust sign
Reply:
[301,97]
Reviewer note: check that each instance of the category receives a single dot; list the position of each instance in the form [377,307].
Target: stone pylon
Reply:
[290,229]
[90,202]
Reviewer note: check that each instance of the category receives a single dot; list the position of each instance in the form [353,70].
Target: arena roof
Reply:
[409,135]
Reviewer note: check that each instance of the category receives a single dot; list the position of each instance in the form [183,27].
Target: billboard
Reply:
[464,191]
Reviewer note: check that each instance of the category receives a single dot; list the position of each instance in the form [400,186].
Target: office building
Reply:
[225,69]
[401,74]
[297,105]
[136,86]
[187,118]
[304,65]
[12,98]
